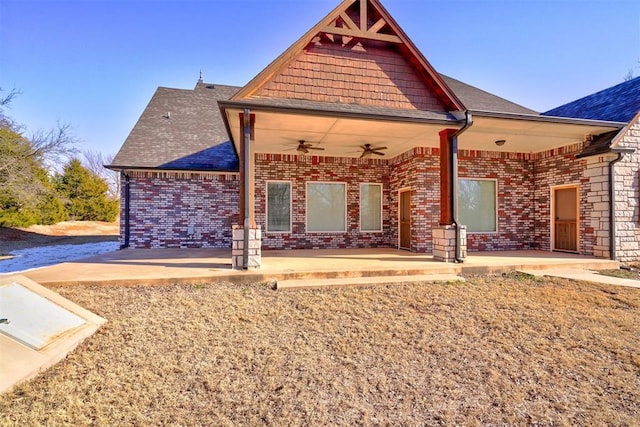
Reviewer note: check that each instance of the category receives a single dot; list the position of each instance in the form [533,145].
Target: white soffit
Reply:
[279,133]
[524,136]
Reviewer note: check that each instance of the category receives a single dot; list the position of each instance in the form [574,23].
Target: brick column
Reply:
[255,248]
[444,242]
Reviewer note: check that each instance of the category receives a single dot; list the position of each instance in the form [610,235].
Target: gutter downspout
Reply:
[454,171]
[612,199]
[247,177]
[127,198]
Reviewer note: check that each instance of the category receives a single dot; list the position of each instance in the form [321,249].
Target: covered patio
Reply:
[174,266]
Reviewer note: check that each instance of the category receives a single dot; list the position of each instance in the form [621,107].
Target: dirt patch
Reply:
[70,232]
[497,350]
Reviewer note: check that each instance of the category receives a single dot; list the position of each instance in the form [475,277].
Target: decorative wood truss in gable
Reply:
[361,20]
[358,22]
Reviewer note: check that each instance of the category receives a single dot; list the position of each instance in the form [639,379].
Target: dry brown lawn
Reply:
[497,350]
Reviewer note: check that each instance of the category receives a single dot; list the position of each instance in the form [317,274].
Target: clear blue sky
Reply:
[96,64]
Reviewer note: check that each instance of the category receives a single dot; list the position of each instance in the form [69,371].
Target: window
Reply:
[326,207]
[477,205]
[278,206]
[370,207]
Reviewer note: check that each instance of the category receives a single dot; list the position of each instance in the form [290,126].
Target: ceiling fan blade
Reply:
[379,153]
[314,148]
[364,154]
[378,148]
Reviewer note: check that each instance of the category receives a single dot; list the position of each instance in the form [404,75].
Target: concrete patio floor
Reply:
[166,266]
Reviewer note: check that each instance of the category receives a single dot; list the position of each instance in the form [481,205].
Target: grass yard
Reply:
[509,350]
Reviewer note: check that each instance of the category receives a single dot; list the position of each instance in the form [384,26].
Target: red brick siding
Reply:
[163,205]
[418,170]
[561,169]
[373,76]
[300,170]
[515,188]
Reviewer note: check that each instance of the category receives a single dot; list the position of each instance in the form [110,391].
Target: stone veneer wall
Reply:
[180,209]
[302,169]
[627,173]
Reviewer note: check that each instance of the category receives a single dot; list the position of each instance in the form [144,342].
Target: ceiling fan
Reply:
[304,147]
[369,150]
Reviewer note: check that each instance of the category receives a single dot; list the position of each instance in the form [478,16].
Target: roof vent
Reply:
[210,86]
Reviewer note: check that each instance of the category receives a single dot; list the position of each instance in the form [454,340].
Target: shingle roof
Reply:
[480,100]
[619,103]
[600,144]
[181,129]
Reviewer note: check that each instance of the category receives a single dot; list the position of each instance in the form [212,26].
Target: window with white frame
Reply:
[326,207]
[279,206]
[477,205]
[370,207]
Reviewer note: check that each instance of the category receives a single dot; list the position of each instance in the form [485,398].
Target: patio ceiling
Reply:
[278,132]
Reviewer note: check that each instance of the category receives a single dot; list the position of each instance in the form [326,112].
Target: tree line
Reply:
[33,187]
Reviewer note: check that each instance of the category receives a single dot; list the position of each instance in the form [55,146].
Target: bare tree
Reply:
[95,161]
[25,159]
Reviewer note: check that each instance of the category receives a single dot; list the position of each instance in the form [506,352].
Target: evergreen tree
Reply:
[27,194]
[84,194]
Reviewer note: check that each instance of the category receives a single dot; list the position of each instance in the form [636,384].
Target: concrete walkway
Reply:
[171,266]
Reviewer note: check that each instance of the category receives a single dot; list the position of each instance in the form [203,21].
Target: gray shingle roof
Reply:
[181,129]
[619,103]
[480,100]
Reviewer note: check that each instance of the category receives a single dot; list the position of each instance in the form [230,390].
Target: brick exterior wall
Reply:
[302,169]
[514,177]
[180,210]
[326,71]
[555,168]
[417,170]
[627,173]
[165,207]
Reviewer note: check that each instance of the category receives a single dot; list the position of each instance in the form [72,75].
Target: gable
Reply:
[356,55]
[328,70]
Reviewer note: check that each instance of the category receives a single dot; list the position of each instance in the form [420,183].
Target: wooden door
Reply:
[565,219]
[405,219]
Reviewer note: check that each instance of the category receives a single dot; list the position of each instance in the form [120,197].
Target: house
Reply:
[620,103]
[351,139]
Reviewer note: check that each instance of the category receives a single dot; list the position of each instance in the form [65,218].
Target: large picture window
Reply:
[477,205]
[278,206]
[371,207]
[326,207]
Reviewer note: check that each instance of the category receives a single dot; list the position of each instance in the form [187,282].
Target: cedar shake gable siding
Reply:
[368,74]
